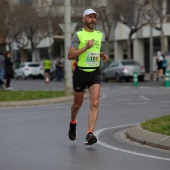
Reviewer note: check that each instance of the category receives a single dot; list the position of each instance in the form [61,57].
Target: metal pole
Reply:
[67,42]
[151,42]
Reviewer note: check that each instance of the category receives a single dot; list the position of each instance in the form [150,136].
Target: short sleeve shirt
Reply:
[75,42]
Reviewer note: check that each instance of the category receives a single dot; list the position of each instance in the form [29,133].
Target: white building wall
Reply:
[138,51]
[121,32]
[46,42]
[118,50]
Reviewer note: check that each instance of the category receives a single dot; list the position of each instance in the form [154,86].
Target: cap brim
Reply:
[91,13]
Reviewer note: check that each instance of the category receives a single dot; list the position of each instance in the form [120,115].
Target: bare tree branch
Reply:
[130,13]
[157,17]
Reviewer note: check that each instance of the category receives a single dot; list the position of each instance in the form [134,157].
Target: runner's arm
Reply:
[74,52]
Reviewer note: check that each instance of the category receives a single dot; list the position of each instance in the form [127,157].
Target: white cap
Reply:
[88,12]
[159,53]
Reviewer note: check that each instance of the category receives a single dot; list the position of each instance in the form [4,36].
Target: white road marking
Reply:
[97,133]
[102,97]
[22,118]
[165,139]
[136,103]
[166,102]
[144,98]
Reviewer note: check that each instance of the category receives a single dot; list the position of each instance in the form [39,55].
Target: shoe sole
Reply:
[91,141]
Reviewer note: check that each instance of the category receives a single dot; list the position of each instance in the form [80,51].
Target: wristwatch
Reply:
[85,48]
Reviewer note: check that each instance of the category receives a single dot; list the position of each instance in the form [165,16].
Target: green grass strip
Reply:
[159,125]
[7,96]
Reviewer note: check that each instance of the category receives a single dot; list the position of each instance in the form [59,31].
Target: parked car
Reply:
[123,69]
[105,65]
[29,69]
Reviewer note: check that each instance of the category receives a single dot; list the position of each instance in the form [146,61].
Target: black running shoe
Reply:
[72,131]
[90,139]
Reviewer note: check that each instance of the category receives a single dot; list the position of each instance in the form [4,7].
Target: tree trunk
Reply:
[163,42]
[107,49]
[35,55]
[23,55]
[129,50]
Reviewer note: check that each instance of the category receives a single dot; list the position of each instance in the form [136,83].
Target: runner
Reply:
[47,66]
[86,47]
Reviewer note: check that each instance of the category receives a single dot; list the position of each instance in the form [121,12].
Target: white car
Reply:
[29,69]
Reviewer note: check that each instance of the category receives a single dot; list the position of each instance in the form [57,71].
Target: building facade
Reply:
[118,37]
[141,41]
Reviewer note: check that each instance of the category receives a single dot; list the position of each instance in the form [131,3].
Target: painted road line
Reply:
[98,132]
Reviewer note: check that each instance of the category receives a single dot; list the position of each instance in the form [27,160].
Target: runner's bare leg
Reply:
[78,100]
[94,92]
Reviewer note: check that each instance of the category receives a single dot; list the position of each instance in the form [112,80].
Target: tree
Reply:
[18,31]
[23,25]
[35,29]
[130,13]
[157,15]
[54,13]
[77,13]
[107,22]
[5,20]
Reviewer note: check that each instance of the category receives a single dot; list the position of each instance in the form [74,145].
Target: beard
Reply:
[89,24]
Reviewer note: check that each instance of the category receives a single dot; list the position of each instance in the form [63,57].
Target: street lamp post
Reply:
[150,41]
[151,49]
[67,42]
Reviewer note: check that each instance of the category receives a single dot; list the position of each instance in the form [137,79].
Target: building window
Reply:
[58,2]
[168,7]
[81,2]
[26,2]
[43,2]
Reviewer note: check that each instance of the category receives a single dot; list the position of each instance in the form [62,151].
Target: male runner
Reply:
[85,47]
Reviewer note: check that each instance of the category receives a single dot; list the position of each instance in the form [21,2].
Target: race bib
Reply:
[93,58]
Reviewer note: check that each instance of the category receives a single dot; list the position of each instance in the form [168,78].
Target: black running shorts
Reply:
[160,65]
[47,71]
[83,79]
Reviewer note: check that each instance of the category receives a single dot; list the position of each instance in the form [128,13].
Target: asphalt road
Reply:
[35,138]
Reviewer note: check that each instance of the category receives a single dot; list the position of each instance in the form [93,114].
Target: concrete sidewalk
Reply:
[138,134]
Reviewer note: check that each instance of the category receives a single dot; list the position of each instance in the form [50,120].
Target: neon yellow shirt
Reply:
[47,64]
[91,57]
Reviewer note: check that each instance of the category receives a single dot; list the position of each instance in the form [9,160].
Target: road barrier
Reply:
[135,79]
[167,78]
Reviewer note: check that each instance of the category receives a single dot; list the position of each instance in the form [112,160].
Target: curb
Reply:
[38,102]
[138,134]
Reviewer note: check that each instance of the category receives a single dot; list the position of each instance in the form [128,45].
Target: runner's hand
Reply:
[90,43]
[103,56]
